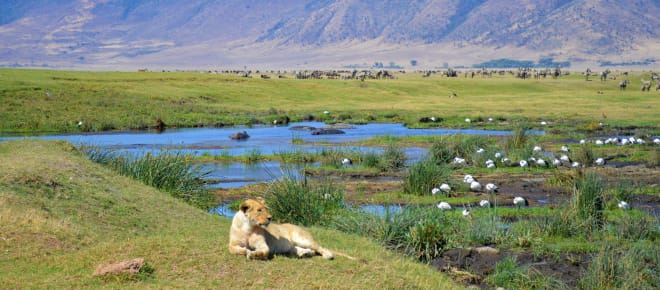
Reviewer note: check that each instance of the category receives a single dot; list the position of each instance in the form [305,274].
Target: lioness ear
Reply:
[244,207]
[260,199]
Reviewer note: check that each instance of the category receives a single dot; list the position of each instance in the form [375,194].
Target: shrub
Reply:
[393,158]
[510,276]
[636,268]
[172,172]
[518,140]
[424,175]
[441,152]
[371,159]
[301,202]
[588,200]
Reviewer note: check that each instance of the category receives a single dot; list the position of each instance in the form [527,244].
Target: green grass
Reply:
[62,215]
[55,101]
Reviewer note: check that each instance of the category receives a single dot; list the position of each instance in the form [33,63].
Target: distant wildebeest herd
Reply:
[371,74]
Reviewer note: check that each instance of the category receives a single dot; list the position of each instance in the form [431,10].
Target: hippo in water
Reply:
[239,136]
[302,128]
[327,131]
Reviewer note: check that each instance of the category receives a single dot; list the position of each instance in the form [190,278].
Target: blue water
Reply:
[375,209]
[266,140]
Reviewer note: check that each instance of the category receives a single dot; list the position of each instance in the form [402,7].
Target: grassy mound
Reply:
[62,215]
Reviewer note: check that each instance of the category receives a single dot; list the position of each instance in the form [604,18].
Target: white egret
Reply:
[444,205]
[468,178]
[445,187]
[520,201]
[475,186]
[435,190]
[484,203]
[491,188]
[623,205]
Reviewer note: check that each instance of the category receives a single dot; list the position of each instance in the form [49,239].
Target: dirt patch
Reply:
[472,267]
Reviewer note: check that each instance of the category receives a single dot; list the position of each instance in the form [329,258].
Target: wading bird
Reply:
[520,201]
[491,188]
[444,205]
[445,188]
[623,205]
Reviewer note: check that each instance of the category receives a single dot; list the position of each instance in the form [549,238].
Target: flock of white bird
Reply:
[561,159]
[553,159]
[475,186]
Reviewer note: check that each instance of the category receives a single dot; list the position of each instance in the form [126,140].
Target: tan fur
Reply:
[253,235]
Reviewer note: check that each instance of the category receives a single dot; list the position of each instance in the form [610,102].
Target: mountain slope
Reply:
[159,32]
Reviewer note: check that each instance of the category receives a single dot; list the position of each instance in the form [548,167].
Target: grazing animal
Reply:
[520,201]
[444,205]
[253,235]
[623,84]
[646,85]
[623,205]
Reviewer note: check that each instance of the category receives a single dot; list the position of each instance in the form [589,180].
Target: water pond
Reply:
[265,140]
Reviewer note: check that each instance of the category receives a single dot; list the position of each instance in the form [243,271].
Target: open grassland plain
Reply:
[590,182]
[74,101]
[62,215]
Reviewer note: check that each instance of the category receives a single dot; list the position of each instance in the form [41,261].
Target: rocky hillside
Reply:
[332,33]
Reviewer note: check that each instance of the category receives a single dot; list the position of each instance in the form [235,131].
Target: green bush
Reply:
[424,175]
[588,201]
[298,201]
[616,268]
[172,172]
[393,158]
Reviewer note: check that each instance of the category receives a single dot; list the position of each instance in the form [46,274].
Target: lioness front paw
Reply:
[257,255]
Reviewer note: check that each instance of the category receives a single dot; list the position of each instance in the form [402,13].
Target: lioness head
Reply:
[255,210]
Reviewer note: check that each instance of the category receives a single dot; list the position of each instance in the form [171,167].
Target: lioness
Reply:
[253,235]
